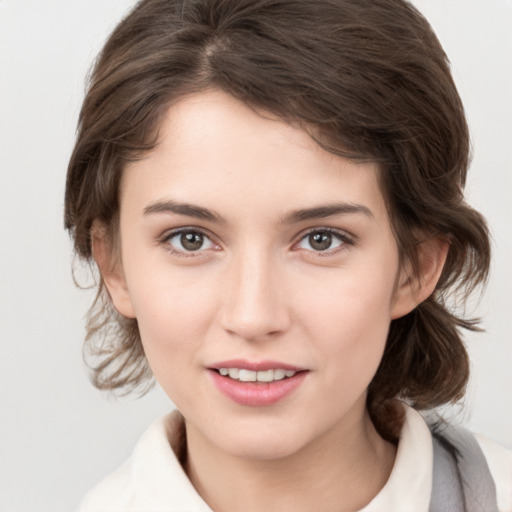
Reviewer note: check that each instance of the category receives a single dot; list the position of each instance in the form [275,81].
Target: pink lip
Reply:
[256,394]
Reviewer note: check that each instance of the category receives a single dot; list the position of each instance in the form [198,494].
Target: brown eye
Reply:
[191,241]
[320,241]
[323,240]
[188,241]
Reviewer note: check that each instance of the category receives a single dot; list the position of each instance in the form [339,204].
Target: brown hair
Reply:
[368,79]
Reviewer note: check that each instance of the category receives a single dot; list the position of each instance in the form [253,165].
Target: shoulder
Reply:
[152,478]
[424,472]
[118,491]
[111,493]
[483,467]
[499,460]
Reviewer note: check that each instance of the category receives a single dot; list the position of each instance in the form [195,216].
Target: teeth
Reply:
[244,375]
[279,374]
[265,376]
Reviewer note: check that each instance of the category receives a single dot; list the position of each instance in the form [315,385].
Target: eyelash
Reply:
[165,241]
[343,237]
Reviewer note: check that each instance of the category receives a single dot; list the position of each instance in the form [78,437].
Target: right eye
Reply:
[188,241]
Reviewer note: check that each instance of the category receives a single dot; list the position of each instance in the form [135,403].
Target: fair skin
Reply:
[284,253]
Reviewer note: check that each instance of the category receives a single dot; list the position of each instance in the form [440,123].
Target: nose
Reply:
[255,301]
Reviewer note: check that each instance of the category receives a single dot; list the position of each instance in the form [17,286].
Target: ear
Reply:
[414,289]
[111,270]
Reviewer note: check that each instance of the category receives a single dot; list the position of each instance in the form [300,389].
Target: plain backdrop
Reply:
[58,435]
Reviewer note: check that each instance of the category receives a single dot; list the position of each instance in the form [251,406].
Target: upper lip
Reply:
[255,366]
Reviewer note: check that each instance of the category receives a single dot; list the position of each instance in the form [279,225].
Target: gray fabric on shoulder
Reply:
[461,477]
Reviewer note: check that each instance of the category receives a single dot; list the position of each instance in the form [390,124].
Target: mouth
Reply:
[256,384]
[244,375]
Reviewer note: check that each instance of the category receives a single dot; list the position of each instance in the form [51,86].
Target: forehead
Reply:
[215,150]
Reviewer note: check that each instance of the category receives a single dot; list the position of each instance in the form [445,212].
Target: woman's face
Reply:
[245,246]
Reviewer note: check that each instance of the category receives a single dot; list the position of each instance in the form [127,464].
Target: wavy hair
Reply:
[368,79]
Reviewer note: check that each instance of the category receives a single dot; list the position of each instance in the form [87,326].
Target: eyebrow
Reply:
[190,210]
[328,210]
[303,214]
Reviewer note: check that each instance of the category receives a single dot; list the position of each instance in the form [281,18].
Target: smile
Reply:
[244,375]
[257,384]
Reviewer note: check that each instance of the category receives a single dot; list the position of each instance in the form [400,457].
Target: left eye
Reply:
[189,241]
[320,241]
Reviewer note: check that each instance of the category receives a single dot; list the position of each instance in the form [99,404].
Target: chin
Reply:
[270,443]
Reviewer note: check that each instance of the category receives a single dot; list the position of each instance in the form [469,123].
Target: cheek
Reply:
[173,313]
[349,319]
[353,299]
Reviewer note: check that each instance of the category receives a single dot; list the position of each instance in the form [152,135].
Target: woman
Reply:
[273,194]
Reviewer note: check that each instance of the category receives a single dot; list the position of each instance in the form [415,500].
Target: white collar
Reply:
[143,482]
[410,484]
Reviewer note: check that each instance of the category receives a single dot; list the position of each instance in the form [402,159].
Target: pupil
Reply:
[192,241]
[320,241]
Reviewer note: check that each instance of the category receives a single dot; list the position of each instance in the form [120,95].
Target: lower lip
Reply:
[257,394]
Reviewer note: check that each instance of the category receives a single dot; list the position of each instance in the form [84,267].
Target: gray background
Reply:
[58,435]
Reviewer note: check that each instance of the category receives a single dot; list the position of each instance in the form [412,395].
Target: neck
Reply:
[342,470]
